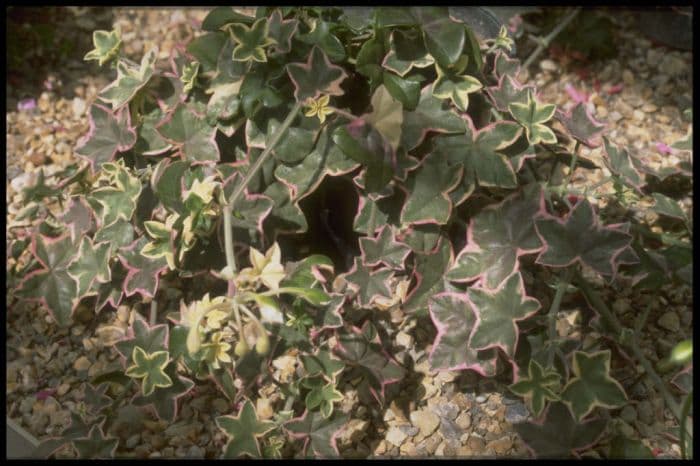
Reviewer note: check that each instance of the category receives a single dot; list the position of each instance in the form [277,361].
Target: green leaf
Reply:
[428,116]
[453,85]
[406,91]
[384,248]
[509,90]
[406,52]
[206,49]
[251,41]
[363,143]
[429,272]
[314,296]
[39,190]
[326,159]
[143,272]
[52,285]
[682,353]
[455,319]
[281,31]
[109,133]
[369,61]
[363,349]
[581,125]
[191,135]
[140,334]
[149,141]
[497,236]
[532,115]
[559,435]
[316,77]
[150,368]
[107,46]
[580,238]
[91,264]
[322,395]
[498,311]
[428,187]
[386,116]
[444,38]
[286,214]
[668,207]
[317,432]
[296,144]
[168,184]
[164,399]
[96,445]
[320,35]
[130,79]
[592,385]
[537,387]
[221,16]
[118,199]
[625,448]
[322,362]
[243,431]
[367,284]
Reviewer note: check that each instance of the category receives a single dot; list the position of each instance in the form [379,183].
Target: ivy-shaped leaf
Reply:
[581,125]
[117,200]
[281,31]
[385,248]
[498,311]
[503,65]
[149,367]
[317,432]
[428,200]
[111,292]
[52,285]
[321,35]
[428,116]
[532,115]
[480,153]
[109,133]
[96,398]
[39,190]
[497,236]
[316,77]
[326,159]
[429,273]
[250,41]
[592,385]
[444,38]
[405,54]
[363,349]
[140,334]
[454,319]
[107,46]
[77,428]
[286,214]
[664,205]
[243,431]
[143,272]
[130,79]
[508,91]
[580,238]
[164,399]
[367,284]
[191,135]
[558,435]
[117,234]
[96,445]
[537,387]
[90,265]
[386,116]
[323,363]
[322,395]
[206,48]
[619,161]
[149,141]
[364,144]
[454,85]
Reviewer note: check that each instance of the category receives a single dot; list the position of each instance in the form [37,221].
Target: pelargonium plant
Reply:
[213,167]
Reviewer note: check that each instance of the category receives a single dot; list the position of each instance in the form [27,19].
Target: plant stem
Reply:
[154,312]
[228,241]
[602,309]
[572,167]
[684,415]
[554,310]
[266,153]
[544,42]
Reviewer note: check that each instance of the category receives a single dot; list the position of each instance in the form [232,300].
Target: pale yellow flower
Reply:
[218,350]
[202,189]
[265,267]
[318,107]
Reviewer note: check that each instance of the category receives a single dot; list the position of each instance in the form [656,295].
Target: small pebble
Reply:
[395,436]
[82,364]
[669,321]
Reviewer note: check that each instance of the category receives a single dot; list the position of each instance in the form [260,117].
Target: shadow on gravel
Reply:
[43,41]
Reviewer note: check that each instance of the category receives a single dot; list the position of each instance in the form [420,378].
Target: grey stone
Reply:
[645,412]
[669,321]
[447,410]
[411,431]
[195,451]
[628,414]
[426,421]
[132,441]
[450,430]
[395,436]
[516,412]
[480,399]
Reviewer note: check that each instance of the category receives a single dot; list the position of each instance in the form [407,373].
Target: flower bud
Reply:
[262,345]
[241,348]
